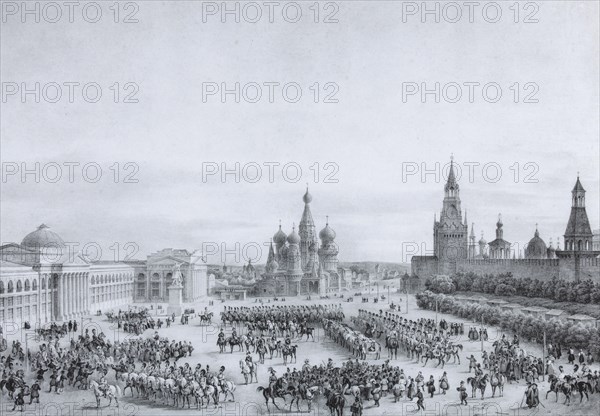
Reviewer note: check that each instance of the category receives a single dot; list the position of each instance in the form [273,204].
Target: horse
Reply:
[279,390]
[307,394]
[335,403]
[221,343]
[206,318]
[289,351]
[12,384]
[112,392]
[480,384]
[262,351]
[239,341]
[308,332]
[391,343]
[226,387]
[497,382]
[248,370]
[130,380]
[453,351]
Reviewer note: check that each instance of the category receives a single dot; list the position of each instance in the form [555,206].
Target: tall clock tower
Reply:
[450,233]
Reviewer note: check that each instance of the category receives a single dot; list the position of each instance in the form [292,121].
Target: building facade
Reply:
[42,281]
[452,253]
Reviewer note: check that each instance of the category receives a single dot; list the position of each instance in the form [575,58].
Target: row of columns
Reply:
[73,295]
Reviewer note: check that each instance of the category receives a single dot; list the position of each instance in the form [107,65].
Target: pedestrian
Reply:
[462,393]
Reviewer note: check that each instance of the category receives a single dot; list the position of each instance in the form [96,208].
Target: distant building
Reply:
[454,252]
[41,280]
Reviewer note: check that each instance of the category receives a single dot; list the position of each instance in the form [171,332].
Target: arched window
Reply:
[155,276]
[19,286]
[93,280]
[1,287]
[27,286]
[141,276]
[34,284]
[579,245]
[11,287]
[43,283]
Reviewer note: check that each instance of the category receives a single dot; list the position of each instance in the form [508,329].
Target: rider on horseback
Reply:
[103,385]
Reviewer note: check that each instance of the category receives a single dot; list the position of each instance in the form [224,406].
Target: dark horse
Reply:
[335,403]
[391,343]
[279,390]
[12,384]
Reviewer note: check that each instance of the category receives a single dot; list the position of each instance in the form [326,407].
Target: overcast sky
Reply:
[369,136]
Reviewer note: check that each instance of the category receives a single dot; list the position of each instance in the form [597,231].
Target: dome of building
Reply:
[327,233]
[293,238]
[536,248]
[279,237]
[482,240]
[307,198]
[43,238]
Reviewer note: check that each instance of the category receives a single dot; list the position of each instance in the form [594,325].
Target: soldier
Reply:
[356,407]
[444,385]
[34,392]
[431,386]
[532,395]
[420,400]
[462,393]
[19,400]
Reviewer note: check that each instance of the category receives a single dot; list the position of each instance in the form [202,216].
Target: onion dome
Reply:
[43,238]
[482,240]
[307,198]
[293,238]
[279,237]
[536,248]
[327,233]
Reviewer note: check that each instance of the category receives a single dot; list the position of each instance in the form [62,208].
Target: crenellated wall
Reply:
[543,269]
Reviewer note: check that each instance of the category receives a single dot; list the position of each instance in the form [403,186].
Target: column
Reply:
[78,294]
[63,296]
[67,291]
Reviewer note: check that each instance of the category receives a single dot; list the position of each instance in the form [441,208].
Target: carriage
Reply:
[350,299]
[189,311]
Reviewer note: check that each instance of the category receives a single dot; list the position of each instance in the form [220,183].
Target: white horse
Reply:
[112,392]
[249,370]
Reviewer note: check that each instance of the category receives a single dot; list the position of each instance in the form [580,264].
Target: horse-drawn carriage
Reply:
[350,299]
[189,311]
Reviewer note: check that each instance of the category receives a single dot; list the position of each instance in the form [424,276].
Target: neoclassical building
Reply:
[42,281]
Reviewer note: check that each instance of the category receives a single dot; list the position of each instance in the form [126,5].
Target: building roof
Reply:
[578,222]
[555,312]
[43,238]
[535,309]
[581,317]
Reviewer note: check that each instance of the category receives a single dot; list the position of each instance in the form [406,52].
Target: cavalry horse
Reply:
[248,370]
[478,383]
[391,343]
[497,382]
[279,390]
[112,392]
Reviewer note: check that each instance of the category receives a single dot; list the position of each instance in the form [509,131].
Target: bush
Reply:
[572,336]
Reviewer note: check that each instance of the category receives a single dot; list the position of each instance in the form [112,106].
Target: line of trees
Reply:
[529,327]
[504,284]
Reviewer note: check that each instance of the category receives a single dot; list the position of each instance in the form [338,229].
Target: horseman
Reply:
[272,380]
[221,377]
[103,385]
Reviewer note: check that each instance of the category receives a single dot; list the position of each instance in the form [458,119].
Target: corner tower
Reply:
[578,235]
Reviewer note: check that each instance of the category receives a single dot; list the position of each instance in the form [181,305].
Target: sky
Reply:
[372,148]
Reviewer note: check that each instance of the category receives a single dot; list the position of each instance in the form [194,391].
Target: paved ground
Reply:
[249,402]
